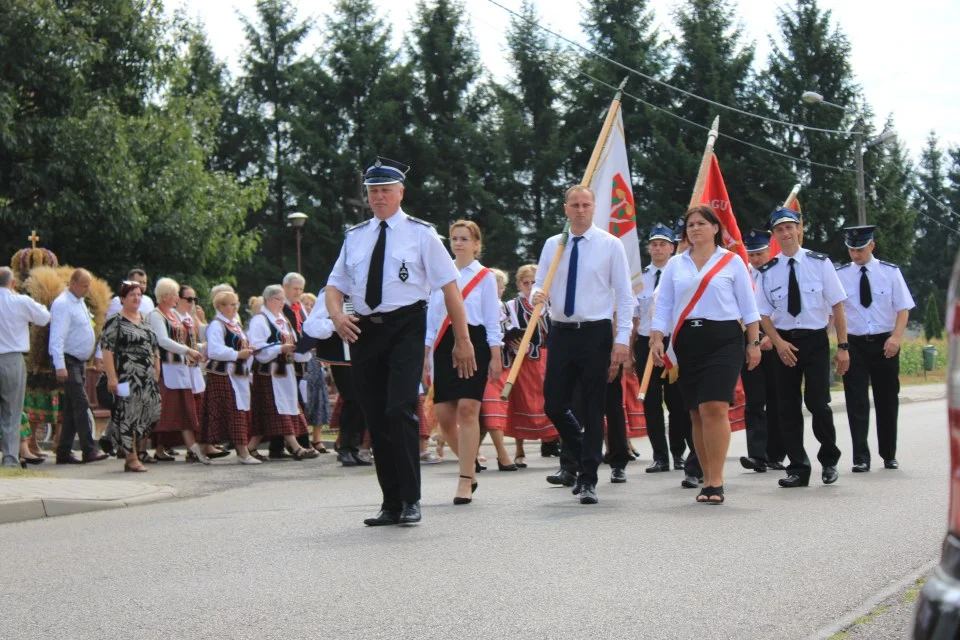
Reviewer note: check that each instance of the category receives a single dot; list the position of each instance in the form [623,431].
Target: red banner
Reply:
[715,195]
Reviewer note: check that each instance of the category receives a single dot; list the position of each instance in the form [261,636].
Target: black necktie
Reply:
[793,291]
[374,294]
[866,296]
[656,279]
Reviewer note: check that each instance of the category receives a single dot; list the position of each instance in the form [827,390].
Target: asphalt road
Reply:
[279,551]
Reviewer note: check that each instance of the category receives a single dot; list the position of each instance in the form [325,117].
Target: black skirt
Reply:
[710,356]
[447,384]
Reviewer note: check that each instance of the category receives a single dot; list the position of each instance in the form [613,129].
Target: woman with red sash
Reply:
[457,400]
[705,299]
[526,419]
[493,411]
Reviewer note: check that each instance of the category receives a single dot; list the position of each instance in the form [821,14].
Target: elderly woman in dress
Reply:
[276,410]
[178,356]
[131,362]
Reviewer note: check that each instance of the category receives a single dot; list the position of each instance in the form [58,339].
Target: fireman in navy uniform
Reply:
[388,265]
[660,245]
[764,443]
[797,292]
[877,306]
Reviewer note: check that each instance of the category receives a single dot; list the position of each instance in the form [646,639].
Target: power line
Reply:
[917,209]
[776,121]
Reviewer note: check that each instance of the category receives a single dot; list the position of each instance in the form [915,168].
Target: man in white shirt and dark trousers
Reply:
[590,287]
[388,265]
[17,312]
[797,292]
[71,345]
[877,308]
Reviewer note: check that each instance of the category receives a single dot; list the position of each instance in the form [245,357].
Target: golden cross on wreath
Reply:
[33,238]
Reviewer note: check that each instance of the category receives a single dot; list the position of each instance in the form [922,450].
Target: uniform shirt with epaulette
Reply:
[644,309]
[820,289]
[888,289]
[415,262]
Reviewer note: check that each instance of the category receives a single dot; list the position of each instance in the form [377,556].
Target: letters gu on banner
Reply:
[715,195]
[615,210]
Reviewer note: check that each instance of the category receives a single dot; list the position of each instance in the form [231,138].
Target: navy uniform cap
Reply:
[661,232]
[756,240]
[678,227]
[385,171]
[782,214]
[858,237]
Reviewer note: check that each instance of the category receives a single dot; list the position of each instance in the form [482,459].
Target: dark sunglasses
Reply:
[190,300]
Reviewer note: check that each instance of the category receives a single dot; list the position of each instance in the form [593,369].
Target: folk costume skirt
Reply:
[710,355]
[447,385]
[222,421]
[265,420]
[526,418]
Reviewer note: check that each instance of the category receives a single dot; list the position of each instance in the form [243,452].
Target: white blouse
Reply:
[482,305]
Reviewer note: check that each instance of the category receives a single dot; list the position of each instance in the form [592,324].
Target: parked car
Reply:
[938,610]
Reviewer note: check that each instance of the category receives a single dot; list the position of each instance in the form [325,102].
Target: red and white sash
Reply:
[692,296]
[463,293]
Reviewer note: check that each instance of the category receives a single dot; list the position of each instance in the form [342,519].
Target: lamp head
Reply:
[297,219]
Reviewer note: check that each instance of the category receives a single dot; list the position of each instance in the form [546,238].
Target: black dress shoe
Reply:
[755,464]
[618,476]
[563,477]
[776,465]
[829,475]
[477,467]
[361,462]
[346,459]
[507,467]
[107,446]
[891,464]
[860,467]
[94,457]
[280,455]
[691,482]
[410,514]
[678,462]
[658,467]
[385,517]
[25,461]
[588,494]
[218,453]
[793,481]
[550,449]
[70,459]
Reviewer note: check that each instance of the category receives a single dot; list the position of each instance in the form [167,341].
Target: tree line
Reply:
[125,140]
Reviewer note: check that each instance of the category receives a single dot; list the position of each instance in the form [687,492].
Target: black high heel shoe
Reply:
[473,487]
[507,467]
[478,467]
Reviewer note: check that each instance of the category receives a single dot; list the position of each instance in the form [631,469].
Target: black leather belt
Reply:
[799,333]
[579,325]
[396,314]
[871,337]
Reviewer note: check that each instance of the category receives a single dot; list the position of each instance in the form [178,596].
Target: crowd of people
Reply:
[415,343]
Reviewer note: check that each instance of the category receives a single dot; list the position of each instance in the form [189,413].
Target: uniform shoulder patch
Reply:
[419,221]
[818,256]
[766,267]
[358,225]
[646,269]
[889,264]
[844,266]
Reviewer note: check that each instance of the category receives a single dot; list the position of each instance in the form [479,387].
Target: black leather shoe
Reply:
[507,467]
[385,517]
[658,467]
[891,464]
[588,494]
[361,462]
[563,477]
[618,476]
[410,513]
[830,475]
[107,446]
[678,462]
[755,464]
[93,456]
[70,459]
[776,466]
[691,482]
[218,453]
[477,467]
[860,467]
[280,455]
[793,481]
[346,459]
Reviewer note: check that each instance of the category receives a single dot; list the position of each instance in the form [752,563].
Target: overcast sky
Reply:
[903,53]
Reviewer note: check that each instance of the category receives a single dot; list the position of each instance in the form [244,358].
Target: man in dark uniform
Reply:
[764,443]
[877,308]
[797,292]
[388,265]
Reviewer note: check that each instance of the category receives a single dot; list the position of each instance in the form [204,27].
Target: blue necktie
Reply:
[571,298]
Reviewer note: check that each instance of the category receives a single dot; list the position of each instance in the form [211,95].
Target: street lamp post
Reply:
[297,220]
[812,97]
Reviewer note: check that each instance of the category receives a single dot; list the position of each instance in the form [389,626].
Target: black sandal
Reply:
[705,493]
[318,447]
[716,493]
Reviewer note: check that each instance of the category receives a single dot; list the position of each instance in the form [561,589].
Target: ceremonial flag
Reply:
[614,194]
[715,195]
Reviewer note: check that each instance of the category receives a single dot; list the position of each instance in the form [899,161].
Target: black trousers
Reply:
[869,367]
[351,413]
[76,420]
[578,357]
[764,440]
[387,367]
[658,392]
[618,447]
[691,466]
[809,379]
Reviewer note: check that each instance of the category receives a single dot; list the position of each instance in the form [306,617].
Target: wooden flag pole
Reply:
[564,235]
[694,200]
[788,204]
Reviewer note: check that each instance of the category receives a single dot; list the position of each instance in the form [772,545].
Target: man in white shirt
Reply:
[17,312]
[591,286]
[71,345]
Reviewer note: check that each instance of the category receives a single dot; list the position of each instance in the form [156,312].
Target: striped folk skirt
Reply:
[222,421]
[266,421]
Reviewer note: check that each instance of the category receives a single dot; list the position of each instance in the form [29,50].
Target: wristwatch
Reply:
[844,345]
[755,343]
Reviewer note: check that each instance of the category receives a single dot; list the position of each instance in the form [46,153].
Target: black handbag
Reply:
[104,397]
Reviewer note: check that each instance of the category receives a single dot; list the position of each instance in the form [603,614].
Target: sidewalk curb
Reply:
[36,508]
